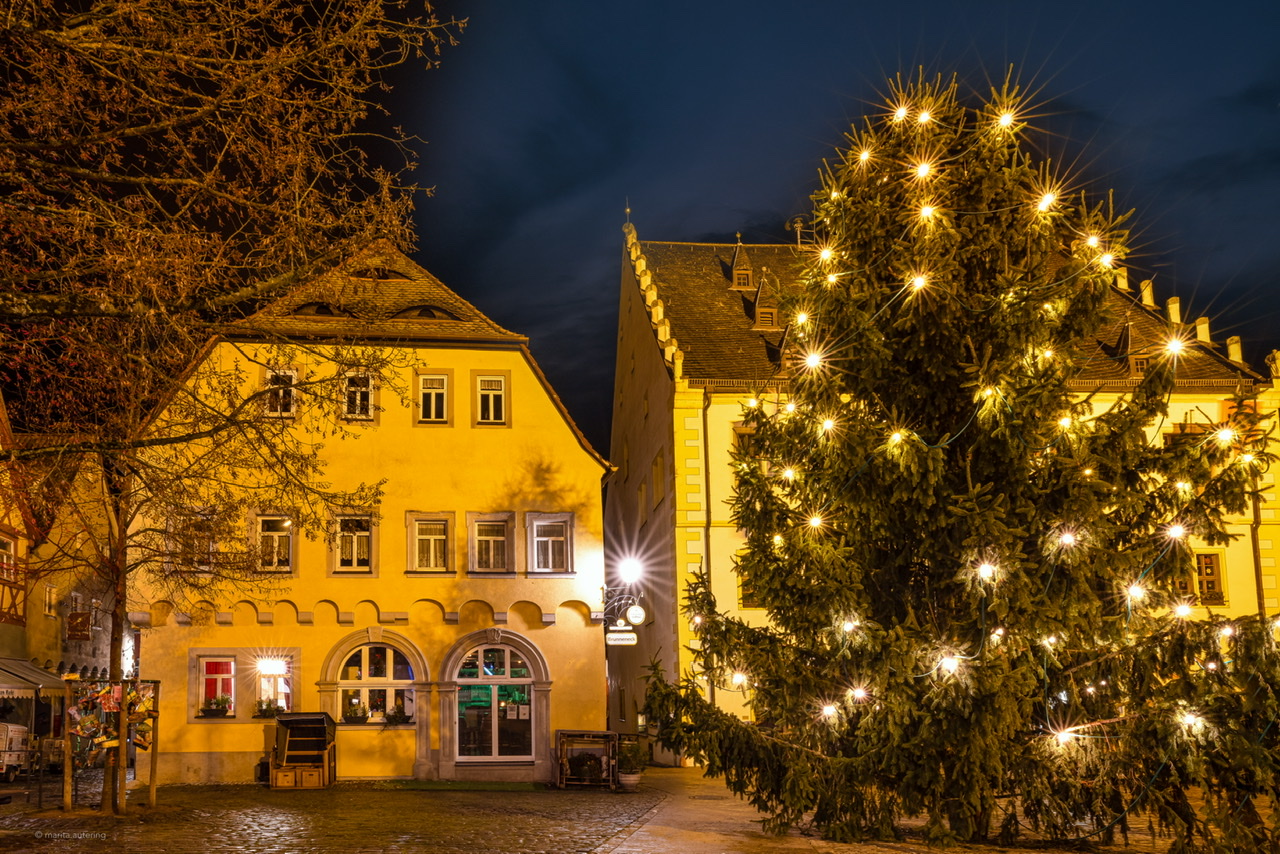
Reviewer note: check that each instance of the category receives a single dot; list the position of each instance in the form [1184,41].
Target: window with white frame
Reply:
[492,400]
[378,677]
[355,544]
[8,560]
[281,393]
[495,704]
[431,544]
[275,684]
[550,542]
[193,540]
[275,543]
[434,398]
[358,399]
[50,601]
[218,680]
[490,545]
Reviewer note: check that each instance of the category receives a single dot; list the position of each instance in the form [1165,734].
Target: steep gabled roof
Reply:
[381,294]
[713,324]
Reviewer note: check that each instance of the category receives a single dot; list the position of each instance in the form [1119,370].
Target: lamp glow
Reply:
[828,424]
[831,278]
[790,407]
[924,117]
[926,212]
[1046,201]
[273,667]
[1006,119]
[1107,259]
[849,625]
[1136,592]
[895,438]
[629,570]
[802,317]
[899,114]
[1067,539]
[923,169]
[827,253]
[858,694]
[1064,422]
[1183,611]
[1065,736]
[1174,346]
[829,711]
[918,282]
[789,473]
[777,539]
[1225,436]
[815,521]
[1175,532]
[739,679]
[812,360]
[864,155]
[1227,631]
[1093,241]
[986,572]
[949,664]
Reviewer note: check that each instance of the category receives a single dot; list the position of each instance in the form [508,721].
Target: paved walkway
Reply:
[676,811]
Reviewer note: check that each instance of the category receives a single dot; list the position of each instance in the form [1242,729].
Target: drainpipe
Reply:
[706,514]
[1254,532]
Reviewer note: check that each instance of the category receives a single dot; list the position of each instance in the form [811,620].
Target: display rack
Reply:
[586,758]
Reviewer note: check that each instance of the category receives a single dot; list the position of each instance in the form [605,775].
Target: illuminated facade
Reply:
[699,332]
[461,621]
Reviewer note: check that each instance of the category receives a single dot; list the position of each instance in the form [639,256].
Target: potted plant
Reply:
[357,714]
[397,716]
[216,707]
[633,756]
[268,709]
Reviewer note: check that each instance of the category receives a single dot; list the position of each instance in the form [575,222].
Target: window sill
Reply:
[352,572]
[551,573]
[494,760]
[438,573]
[493,573]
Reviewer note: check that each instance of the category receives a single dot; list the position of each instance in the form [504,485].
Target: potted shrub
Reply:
[216,707]
[357,714]
[397,716]
[633,756]
[268,709]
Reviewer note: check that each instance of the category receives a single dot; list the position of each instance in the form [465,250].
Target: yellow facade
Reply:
[388,612]
[693,346]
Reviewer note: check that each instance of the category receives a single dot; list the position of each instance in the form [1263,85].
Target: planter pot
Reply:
[355,719]
[213,713]
[628,782]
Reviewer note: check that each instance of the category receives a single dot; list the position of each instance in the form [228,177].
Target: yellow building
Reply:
[471,601]
[699,331]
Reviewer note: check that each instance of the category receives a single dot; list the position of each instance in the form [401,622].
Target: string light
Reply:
[1046,201]
[949,664]
[789,473]
[1064,736]
[895,438]
[1182,611]
[924,117]
[1175,532]
[918,282]
[829,711]
[849,625]
[826,253]
[1225,436]
[864,155]
[1107,259]
[813,360]
[1227,630]
[986,571]
[828,424]
[831,278]
[1092,241]
[899,114]
[815,521]
[927,211]
[802,317]
[1067,539]
[923,169]
[1006,119]
[739,679]
[858,694]
[1174,346]
[835,194]
[1064,422]
[790,407]
[1136,593]
[1183,486]
[777,539]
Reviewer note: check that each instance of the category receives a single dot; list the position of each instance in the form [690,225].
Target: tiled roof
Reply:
[713,323]
[364,299]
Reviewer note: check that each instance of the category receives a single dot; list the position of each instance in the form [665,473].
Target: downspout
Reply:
[1254,533]
[706,514]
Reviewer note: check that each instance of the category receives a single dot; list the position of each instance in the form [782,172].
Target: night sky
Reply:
[712,117]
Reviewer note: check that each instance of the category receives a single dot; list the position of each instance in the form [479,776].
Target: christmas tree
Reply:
[974,571]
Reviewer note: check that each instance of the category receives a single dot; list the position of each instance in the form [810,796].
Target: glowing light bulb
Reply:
[849,625]
[1064,736]
[1046,201]
[899,114]
[828,424]
[988,391]
[1137,593]
[826,253]
[864,155]
[789,473]
[858,694]
[949,664]
[1048,354]
[1183,611]
[1225,435]
[802,317]
[1006,119]
[815,521]
[697,619]
[895,438]
[1087,472]
[1174,346]
[1067,538]
[1183,486]
[1176,532]
[812,360]
[739,679]
[1064,422]
[926,212]
[1050,640]
[829,711]
[630,570]
[986,572]
[1107,259]
[1092,242]
[997,635]
[1211,665]
[777,539]
[831,278]
[752,403]
[790,407]
[924,117]
[918,282]
[1191,720]
[923,169]
[835,194]
[1246,458]
[1227,631]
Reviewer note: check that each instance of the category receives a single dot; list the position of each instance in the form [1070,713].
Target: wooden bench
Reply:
[7,795]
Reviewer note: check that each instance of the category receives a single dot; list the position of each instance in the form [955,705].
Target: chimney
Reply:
[1202,329]
[1122,278]
[1148,293]
[1174,307]
[1234,351]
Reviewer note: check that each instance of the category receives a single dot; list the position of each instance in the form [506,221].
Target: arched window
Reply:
[495,704]
[378,677]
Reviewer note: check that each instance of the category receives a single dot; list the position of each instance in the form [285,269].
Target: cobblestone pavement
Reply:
[676,811]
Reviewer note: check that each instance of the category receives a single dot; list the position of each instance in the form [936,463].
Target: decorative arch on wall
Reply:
[495,637]
[341,651]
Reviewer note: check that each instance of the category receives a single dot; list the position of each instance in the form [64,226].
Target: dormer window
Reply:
[425,312]
[1139,365]
[742,279]
[379,273]
[318,309]
[766,317]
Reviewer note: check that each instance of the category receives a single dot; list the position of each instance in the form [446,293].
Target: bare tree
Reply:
[166,167]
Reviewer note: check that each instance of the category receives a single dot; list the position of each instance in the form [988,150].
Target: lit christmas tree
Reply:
[975,573]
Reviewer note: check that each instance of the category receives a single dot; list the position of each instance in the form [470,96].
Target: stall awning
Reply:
[19,678]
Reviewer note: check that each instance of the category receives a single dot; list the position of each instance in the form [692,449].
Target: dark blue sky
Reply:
[712,117]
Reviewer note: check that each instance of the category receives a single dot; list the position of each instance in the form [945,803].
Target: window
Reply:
[491,545]
[1208,580]
[355,543]
[434,391]
[766,317]
[358,405]
[275,683]
[378,677]
[275,538]
[495,704]
[50,601]
[280,393]
[8,561]
[742,278]
[492,400]
[193,540]
[218,679]
[1140,365]
[551,542]
[658,476]
[431,544]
